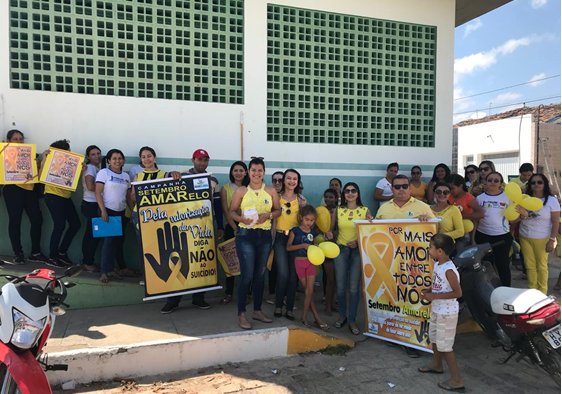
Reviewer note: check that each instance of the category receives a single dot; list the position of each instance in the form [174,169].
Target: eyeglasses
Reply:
[280,180]
[493,180]
[485,169]
[537,183]
[443,192]
[398,187]
[471,172]
[256,157]
[416,173]
[348,191]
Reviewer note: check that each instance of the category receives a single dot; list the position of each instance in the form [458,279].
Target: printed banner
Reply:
[396,267]
[228,257]
[177,235]
[62,169]
[18,164]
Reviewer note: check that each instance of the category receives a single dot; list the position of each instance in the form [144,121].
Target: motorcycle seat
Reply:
[509,300]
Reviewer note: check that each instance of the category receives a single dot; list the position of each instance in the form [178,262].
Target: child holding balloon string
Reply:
[300,239]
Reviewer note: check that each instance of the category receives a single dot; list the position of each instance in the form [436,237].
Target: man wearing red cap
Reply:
[200,160]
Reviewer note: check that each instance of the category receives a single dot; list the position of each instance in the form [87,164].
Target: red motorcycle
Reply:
[28,308]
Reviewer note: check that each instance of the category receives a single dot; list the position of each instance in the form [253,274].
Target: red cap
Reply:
[200,153]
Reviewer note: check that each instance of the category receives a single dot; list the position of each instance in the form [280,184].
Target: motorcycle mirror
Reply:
[68,285]
[73,271]
[10,277]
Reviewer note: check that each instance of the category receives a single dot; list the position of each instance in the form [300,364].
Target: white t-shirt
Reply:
[494,221]
[386,188]
[441,285]
[115,189]
[538,225]
[88,195]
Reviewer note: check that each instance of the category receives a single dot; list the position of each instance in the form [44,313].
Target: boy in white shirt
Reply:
[444,312]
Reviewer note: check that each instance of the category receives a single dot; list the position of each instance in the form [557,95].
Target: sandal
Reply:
[91,268]
[115,275]
[337,324]
[290,317]
[428,369]
[448,387]
[126,272]
[227,298]
[354,330]
[103,278]
[305,323]
[323,326]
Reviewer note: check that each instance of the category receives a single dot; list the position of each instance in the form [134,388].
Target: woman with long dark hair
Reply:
[89,207]
[478,187]
[348,264]
[440,173]
[470,174]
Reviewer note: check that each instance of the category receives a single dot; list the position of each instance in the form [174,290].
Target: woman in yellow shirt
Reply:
[21,198]
[290,200]
[348,263]
[417,186]
[450,216]
[253,207]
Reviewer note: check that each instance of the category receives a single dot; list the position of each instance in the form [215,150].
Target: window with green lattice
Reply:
[343,79]
[179,50]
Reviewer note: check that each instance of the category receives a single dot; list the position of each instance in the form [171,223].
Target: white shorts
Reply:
[442,330]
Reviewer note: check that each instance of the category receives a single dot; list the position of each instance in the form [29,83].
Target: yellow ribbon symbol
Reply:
[174,262]
[380,249]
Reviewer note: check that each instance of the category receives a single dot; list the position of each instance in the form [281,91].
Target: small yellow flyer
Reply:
[62,169]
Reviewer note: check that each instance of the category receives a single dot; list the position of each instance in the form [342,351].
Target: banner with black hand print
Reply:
[177,235]
[396,268]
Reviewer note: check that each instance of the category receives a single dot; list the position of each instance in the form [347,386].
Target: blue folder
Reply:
[112,228]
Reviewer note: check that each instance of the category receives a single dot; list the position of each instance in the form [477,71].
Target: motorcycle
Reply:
[523,322]
[29,306]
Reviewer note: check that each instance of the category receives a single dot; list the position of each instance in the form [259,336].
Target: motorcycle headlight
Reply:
[26,331]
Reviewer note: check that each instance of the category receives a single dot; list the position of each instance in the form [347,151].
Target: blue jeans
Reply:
[348,268]
[62,210]
[252,247]
[113,246]
[286,273]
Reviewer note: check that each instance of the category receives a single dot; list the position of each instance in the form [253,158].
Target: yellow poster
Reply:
[228,257]
[177,235]
[62,169]
[18,164]
[396,267]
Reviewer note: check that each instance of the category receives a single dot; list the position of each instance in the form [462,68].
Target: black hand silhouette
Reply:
[424,332]
[168,243]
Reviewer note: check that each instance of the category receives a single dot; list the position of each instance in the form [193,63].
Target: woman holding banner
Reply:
[348,263]
[20,198]
[238,175]
[89,207]
[112,187]
[254,207]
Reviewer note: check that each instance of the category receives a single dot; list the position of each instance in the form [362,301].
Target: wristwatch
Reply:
[552,239]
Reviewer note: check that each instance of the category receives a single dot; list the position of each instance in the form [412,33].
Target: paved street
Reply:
[369,368]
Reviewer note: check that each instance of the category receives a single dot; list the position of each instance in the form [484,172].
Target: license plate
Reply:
[553,336]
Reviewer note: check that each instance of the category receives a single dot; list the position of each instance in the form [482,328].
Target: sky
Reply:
[511,45]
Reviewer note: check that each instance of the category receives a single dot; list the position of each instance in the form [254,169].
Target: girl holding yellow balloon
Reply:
[301,240]
[348,263]
[495,225]
[538,231]
[323,222]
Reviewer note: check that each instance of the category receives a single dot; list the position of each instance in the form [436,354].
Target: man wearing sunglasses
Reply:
[403,205]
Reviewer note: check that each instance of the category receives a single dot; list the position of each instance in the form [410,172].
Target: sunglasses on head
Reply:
[537,183]
[443,192]
[398,187]
[485,169]
[471,172]
[256,157]
[493,180]
[348,191]
[416,172]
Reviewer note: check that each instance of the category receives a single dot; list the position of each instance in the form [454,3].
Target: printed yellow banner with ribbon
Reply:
[396,267]
[62,169]
[18,164]
[177,235]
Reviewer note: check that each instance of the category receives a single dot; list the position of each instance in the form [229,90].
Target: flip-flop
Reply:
[115,275]
[447,387]
[428,369]
[227,298]
[323,326]
[305,323]
[129,273]
[354,330]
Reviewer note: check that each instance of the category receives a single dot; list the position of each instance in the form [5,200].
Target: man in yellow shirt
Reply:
[525,173]
[403,205]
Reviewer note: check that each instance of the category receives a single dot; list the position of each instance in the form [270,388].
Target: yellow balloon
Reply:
[513,192]
[330,249]
[532,204]
[319,239]
[323,219]
[511,213]
[315,255]
[525,196]
[468,225]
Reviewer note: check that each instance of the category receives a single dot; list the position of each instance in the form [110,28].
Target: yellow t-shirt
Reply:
[229,193]
[346,227]
[26,186]
[145,176]
[418,192]
[289,214]
[57,191]
[451,222]
[412,209]
[261,201]
[518,182]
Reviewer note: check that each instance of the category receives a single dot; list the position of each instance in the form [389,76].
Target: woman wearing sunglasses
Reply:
[494,227]
[450,216]
[290,200]
[470,174]
[479,185]
[538,233]
[348,264]
[440,173]
[417,186]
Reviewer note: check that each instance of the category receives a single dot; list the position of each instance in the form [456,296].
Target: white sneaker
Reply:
[270,300]
[141,283]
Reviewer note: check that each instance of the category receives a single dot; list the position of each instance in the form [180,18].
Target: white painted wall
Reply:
[175,128]
[500,136]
